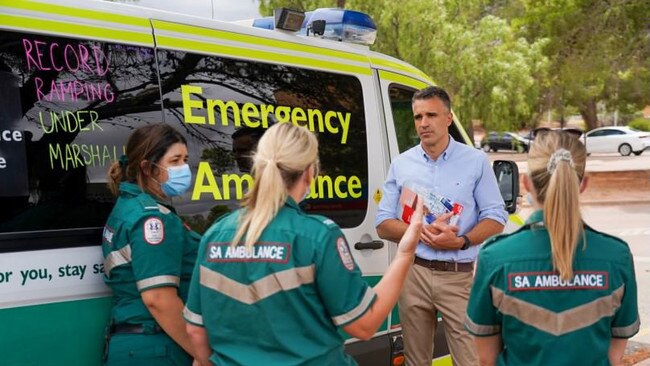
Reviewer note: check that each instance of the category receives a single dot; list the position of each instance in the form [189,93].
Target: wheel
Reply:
[637,153]
[486,148]
[625,149]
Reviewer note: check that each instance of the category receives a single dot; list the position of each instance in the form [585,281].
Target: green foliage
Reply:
[640,124]
[504,62]
[599,51]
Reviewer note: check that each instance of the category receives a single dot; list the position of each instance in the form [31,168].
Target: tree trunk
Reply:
[340,3]
[589,114]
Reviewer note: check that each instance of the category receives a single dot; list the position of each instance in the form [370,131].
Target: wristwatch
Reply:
[466,243]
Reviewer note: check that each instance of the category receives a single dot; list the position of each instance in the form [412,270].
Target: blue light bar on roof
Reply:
[340,25]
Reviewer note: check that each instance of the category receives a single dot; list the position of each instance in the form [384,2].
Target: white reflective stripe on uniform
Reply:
[481,329]
[117,258]
[163,209]
[266,286]
[358,310]
[157,280]
[557,323]
[626,332]
[192,317]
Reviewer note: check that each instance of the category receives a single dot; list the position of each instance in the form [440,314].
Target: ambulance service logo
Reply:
[154,231]
[344,253]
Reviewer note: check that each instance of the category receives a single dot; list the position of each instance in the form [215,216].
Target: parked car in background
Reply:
[495,141]
[623,140]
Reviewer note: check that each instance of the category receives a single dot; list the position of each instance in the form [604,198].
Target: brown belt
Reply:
[435,265]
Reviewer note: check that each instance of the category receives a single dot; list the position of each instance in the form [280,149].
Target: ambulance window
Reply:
[68,107]
[225,105]
[400,103]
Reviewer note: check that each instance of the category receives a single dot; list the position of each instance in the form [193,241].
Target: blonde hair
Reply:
[283,154]
[556,166]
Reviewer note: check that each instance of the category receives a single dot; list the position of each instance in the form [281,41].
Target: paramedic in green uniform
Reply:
[556,292]
[272,284]
[149,253]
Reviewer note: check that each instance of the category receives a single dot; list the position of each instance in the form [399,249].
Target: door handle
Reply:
[374,245]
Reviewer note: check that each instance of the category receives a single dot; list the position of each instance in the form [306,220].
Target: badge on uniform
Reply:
[154,231]
[344,253]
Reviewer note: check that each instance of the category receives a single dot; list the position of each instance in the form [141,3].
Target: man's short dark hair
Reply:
[433,92]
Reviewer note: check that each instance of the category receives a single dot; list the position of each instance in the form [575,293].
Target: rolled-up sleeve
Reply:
[488,197]
[390,197]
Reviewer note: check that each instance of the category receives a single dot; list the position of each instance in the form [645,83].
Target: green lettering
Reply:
[223,111]
[354,186]
[204,172]
[311,113]
[55,154]
[248,111]
[345,124]
[238,180]
[298,116]
[188,104]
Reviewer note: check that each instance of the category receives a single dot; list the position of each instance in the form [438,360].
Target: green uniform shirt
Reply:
[282,303]
[542,319]
[145,245]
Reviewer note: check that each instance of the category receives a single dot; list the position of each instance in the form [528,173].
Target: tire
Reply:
[625,149]
[637,153]
[486,148]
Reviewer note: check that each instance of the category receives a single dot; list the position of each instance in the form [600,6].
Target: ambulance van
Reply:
[77,77]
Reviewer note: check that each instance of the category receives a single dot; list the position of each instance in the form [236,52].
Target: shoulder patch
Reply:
[154,231]
[344,253]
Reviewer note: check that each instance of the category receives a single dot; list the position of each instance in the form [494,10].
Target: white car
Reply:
[623,140]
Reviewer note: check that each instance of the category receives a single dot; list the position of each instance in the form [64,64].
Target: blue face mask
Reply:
[180,178]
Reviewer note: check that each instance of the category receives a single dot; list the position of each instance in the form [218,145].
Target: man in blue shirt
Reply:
[442,277]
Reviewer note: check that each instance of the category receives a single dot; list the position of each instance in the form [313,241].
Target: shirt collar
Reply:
[292,203]
[445,154]
[134,190]
[130,188]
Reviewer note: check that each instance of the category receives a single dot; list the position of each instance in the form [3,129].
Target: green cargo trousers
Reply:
[145,350]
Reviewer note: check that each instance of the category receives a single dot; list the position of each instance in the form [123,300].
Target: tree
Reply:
[599,51]
[491,74]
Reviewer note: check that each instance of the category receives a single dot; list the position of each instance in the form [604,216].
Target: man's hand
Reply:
[440,235]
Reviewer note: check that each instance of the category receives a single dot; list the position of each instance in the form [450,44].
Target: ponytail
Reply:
[556,164]
[115,176]
[562,217]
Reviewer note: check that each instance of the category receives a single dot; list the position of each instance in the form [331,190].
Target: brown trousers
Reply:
[425,293]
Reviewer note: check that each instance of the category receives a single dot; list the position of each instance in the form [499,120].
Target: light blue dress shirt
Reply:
[463,174]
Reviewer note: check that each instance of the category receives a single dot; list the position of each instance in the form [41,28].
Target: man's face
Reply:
[432,120]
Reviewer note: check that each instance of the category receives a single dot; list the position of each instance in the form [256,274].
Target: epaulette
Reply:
[149,204]
[500,236]
[587,227]
[329,223]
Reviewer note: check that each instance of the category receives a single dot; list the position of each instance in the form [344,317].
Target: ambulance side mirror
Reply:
[507,174]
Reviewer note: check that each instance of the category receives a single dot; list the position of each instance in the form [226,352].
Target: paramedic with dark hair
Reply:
[149,252]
